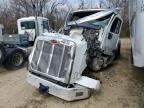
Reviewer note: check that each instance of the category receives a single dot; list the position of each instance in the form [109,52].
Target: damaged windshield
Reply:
[101,21]
[78,15]
[95,24]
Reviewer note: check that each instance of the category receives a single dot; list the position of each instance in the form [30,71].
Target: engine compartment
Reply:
[93,44]
[95,56]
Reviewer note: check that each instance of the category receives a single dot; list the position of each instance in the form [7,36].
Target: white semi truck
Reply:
[14,49]
[90,38]
[136,17]
[33,26]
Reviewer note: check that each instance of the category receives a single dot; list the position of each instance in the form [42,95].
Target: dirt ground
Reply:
[122,87]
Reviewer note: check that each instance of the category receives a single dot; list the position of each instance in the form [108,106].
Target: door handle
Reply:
[110,36]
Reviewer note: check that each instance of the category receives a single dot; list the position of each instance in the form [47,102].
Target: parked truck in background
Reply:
[57,62]
[33,26]
[136,25]
[14,49]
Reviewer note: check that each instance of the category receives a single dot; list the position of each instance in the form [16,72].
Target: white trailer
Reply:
[33,26]
[136,24]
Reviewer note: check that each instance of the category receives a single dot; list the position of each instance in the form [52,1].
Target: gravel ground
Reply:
[122,87]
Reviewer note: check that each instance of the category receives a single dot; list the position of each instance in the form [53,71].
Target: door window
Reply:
[46,25]
[115,28]
[28,25]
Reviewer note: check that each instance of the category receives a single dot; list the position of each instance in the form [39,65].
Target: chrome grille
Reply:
[52,60]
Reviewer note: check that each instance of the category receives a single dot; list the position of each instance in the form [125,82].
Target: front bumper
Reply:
[68,94]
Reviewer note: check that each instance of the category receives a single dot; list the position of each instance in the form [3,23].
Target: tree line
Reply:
[54,10]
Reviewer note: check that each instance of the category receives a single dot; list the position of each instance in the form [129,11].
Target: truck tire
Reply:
[2,53]
[118,51]
[15,60]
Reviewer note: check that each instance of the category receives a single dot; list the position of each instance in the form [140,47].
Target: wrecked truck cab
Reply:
[101,31]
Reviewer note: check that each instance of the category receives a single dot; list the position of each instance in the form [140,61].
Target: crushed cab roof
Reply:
[97,15]
[94,10]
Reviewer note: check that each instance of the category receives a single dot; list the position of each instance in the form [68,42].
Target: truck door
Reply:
[112,38]
[28,27]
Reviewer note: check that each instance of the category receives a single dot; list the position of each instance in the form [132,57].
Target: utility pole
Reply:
[37,18]
[35,7]
[100,4]
[91,3]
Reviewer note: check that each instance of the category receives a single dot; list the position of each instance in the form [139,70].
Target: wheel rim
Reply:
[17,59]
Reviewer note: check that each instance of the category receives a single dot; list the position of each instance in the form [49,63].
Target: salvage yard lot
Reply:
[122,87]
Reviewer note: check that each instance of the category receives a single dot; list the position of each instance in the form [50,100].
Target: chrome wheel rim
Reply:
[17,59]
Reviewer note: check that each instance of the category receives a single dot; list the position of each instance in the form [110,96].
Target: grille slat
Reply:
[45,57]
[65,62]
[55,63]
[40,53]
[62,56]
[35,58]
[49,61]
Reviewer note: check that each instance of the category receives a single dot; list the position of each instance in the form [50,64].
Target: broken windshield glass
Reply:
[95,20]
[101,21]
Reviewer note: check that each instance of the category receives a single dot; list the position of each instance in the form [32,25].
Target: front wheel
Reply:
[15,60]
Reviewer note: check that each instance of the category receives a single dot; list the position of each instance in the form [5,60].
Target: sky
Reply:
[74,3]
[91,3]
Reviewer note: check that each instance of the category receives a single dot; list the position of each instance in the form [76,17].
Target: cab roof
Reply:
[88,10]
[115,10]
[31,18]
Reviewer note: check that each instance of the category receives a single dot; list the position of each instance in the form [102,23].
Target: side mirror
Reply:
[66,30]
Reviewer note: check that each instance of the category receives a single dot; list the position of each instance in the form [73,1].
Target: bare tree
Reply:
[55,10]
[56,14]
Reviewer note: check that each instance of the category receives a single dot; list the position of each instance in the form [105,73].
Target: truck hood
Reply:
[61,36]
